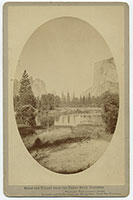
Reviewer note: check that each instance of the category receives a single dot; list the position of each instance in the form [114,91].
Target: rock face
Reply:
[38,87]
[105,78]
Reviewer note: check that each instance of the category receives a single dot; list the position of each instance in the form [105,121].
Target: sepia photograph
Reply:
[66,99]
[66,95]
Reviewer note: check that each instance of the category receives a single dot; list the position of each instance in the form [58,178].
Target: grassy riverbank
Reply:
[71,158]
[68,149]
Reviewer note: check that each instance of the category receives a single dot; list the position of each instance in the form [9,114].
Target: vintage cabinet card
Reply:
[66,118]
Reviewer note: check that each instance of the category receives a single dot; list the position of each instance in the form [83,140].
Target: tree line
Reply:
[50,101]
[26,105]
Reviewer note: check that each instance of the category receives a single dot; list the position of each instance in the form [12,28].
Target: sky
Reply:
[62,53]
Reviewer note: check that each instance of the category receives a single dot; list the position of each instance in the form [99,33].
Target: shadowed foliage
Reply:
[110,110]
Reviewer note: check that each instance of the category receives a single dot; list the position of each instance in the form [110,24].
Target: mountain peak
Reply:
[105,78]
[38,86]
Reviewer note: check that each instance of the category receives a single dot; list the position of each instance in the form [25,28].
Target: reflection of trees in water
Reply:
[68,119]
[72,119]
[47,121]
[56,118]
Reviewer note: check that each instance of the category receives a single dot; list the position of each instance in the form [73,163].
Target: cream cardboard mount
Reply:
[66,99]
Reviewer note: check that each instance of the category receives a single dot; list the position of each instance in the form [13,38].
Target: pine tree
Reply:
[73,98]
[63,99]
[25,92]
[68,97]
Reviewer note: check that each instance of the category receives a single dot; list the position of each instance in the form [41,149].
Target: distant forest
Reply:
[51,101]
[26,105]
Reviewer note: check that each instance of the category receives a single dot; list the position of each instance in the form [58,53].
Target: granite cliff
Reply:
[105,78]
[38,87]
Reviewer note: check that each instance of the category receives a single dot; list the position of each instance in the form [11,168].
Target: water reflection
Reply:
[74,119]
[68,119]
[46,121]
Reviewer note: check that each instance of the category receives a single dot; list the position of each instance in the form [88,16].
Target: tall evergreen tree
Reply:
[73,98]
[68,97]
[25,92]
[63,99]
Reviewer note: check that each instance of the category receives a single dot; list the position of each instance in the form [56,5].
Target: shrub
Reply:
[26,115]
[46,120]
[110,110]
